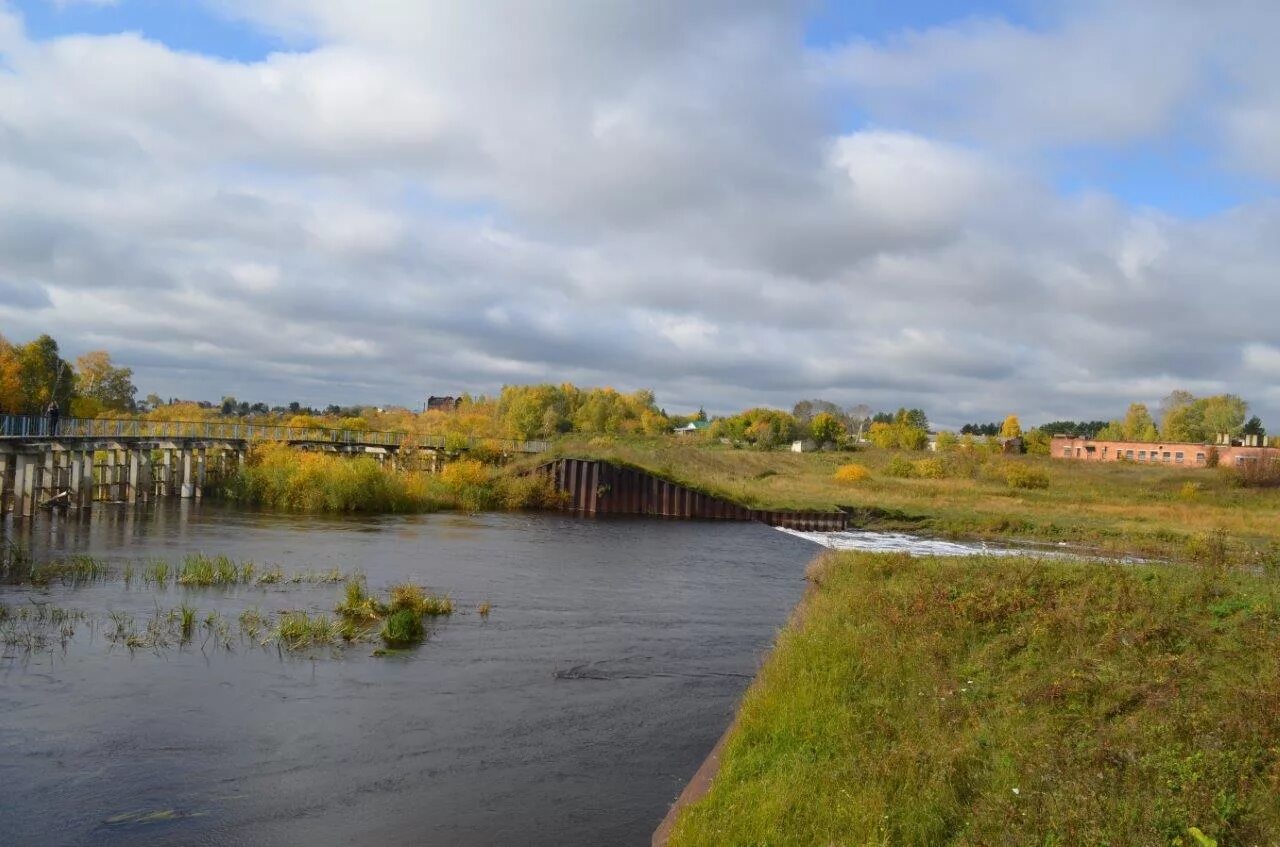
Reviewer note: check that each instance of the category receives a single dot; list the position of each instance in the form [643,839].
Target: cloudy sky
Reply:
[1048,208]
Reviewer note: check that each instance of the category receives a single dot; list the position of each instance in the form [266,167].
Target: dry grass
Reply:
[1117,507]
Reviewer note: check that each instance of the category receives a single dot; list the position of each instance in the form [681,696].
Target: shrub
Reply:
[899,467]
[1261,473]
[852,473]
[1189,490]
[928,469]
[1022,476]
[403,628]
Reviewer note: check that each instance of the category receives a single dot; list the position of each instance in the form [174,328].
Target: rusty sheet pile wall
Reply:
[601,488]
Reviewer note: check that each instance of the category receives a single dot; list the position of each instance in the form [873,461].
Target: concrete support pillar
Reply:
[146,479]
[134,464]
[26,474]
[75,478]
[6,485]
[166,472]
[188,481]
[202,457]
[86,481]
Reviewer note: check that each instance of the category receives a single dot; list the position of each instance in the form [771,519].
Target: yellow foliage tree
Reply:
[1011,428]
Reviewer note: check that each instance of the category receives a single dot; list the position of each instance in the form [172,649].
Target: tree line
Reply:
[34,375]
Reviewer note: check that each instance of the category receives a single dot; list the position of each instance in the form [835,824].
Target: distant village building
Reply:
[442,404]
[1230,452]
[691,428]
[804,446]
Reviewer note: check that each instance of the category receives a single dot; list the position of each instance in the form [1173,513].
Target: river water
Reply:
[614,656]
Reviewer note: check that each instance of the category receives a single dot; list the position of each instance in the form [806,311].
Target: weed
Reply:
[298,630]
[899,467]
[358,606]
[852,473]
[415,599]
[188,621]
[483,609]
[403,628]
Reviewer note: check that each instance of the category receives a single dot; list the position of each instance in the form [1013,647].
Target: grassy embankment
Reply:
[1009,701]
[1115,507]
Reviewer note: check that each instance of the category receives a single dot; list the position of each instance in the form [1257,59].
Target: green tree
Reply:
[826,428]
[1138,424]
[1223,413]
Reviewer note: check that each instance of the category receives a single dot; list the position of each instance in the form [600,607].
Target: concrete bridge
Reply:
[132,461]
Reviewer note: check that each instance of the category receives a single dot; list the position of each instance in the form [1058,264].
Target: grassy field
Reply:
[1117,507]
[1009,701]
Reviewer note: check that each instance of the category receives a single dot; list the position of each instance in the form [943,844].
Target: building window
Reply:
[1066,452]
[1142,455]
[1199,458]
[1128,454]
[1104,452]
[1177,457]
[1166,456]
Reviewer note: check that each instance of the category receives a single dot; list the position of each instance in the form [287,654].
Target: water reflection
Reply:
[613,658]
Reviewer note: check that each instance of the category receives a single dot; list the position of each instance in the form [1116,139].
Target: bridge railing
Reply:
[33,426]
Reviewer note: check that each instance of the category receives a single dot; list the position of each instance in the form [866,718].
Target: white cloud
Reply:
[449,196]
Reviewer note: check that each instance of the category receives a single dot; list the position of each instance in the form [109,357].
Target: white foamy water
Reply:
[901,542]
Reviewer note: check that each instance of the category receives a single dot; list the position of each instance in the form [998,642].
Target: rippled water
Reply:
[614,656]
[901,542]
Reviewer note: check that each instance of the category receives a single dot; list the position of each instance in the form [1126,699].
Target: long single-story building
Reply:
[1230,453]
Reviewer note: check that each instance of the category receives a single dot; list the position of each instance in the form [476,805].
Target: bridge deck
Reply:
[28,428]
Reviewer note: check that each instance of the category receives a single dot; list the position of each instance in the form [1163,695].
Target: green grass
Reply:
[301,631]
[944,701]
[403,628]
[401,613]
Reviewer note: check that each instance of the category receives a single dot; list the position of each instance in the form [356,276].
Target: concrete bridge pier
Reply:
[188,482]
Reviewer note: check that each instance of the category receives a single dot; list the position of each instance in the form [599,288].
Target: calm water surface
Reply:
[614,656]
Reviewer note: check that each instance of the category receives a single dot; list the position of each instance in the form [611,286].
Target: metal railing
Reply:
[33,426]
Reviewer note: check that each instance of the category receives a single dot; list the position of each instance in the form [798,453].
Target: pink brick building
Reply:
[1161,453]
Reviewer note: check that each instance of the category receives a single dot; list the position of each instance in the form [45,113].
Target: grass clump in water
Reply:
[358,606]
[299,630]
[403,628]
[414,598]
[203,571]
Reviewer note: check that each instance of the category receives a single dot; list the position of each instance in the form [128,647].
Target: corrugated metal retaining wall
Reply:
[601,488]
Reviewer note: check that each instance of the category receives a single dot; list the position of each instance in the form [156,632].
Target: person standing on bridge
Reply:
[52,414]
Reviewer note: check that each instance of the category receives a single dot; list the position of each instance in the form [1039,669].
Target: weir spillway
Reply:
[596,487]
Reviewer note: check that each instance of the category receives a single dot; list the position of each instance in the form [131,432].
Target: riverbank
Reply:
[943,700]
[1117,509]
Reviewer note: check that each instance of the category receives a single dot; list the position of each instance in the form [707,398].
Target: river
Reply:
[613,657]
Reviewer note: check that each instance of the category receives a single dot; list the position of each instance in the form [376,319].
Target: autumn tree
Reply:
[110,386]
[43,376]
[10,378]
[1011,428]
